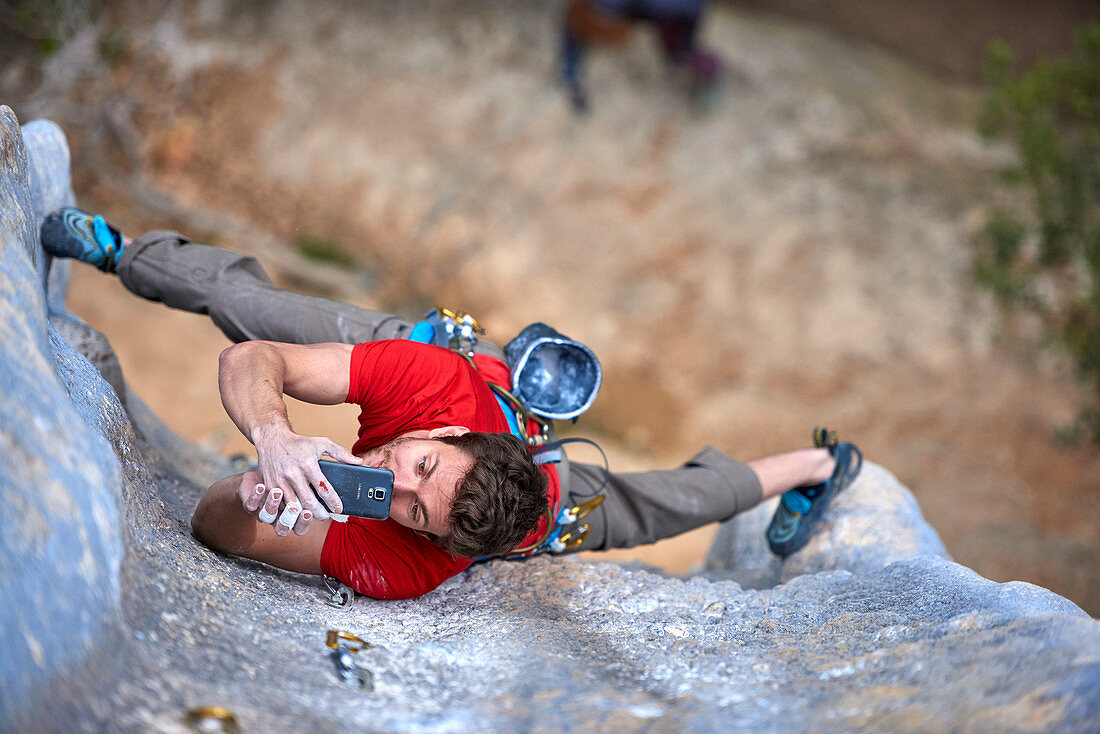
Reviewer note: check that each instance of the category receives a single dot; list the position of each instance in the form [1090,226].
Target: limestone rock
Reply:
[115,619]
[874,523]
[59,478]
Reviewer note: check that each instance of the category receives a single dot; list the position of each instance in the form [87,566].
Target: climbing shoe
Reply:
[70,232]
[801,508]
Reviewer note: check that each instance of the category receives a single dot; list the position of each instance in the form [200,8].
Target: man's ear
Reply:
[448,431]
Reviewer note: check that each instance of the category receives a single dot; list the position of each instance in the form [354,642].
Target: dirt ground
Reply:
[949,36]
[796,254]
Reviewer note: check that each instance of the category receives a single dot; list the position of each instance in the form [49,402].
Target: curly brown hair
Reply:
[499,501]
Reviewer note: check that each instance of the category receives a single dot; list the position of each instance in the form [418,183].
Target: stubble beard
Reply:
[384,453]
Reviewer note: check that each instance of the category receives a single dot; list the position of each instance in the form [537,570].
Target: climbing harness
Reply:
[553,378]
[558,538]
[343,646]
[443,327]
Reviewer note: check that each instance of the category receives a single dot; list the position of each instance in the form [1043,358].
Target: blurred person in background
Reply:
[611,22]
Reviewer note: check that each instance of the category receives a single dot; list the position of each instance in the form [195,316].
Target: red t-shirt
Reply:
[406,386]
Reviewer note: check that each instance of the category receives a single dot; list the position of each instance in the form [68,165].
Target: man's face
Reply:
[426,475]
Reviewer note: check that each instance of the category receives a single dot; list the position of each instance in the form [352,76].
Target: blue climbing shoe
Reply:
[801,508]
[70,232]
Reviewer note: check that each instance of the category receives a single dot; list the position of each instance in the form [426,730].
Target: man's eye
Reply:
[420,467]
[415,511]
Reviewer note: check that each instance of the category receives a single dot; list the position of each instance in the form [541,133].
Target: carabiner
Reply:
[570,515]
[341,596]
[344,645]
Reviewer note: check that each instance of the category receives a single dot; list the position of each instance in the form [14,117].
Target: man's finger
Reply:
[252,498]
[340,453]
[288,518]
[327,495]
[300,481]
[245,489]
[271,507]
[304,520]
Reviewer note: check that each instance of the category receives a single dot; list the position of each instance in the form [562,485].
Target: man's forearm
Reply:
[251,376]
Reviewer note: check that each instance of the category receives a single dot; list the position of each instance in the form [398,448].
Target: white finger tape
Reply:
[266,517]
[290,515]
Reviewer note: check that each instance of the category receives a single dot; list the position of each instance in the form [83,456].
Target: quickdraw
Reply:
[343,646]
[341,596]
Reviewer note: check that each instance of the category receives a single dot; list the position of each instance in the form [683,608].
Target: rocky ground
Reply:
[797,253]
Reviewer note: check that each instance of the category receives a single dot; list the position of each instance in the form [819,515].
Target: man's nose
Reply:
[403,483]
[398,498]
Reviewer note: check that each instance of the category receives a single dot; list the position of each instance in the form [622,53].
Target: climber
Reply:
[466,428]
[610,22]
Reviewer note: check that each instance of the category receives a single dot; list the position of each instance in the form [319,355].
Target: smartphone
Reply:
[365,491]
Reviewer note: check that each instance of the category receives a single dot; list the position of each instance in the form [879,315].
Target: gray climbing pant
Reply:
[234,290]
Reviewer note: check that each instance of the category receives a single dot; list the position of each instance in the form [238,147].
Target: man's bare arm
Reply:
[253,378]
[222,523]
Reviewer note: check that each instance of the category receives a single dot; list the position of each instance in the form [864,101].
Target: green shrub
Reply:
[45,25]
[1042,253]
[323,250]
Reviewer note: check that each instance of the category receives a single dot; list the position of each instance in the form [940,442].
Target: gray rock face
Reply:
[60,480]
[874,523]
[115,619]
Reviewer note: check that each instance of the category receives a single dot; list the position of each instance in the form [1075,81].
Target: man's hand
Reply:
[289,488]
[252,378]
